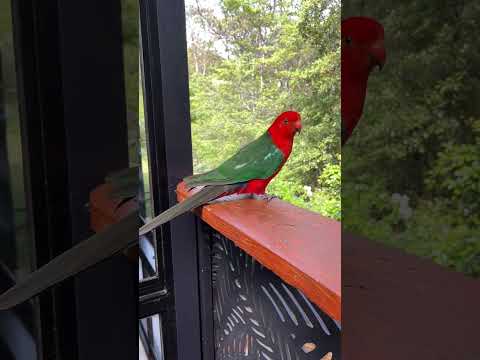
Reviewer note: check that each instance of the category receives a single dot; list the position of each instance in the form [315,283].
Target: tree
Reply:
[272,62]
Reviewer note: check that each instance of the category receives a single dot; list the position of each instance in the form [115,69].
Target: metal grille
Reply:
[258,316]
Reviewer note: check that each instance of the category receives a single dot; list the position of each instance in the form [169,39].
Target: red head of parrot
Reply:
[363,49]
[283,130]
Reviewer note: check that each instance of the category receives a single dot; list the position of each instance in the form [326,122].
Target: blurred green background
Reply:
[411,171]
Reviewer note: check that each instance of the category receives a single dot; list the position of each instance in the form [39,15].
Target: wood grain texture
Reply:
[300,246]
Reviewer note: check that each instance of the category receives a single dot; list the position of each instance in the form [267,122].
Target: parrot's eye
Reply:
[348,40]
[285,121]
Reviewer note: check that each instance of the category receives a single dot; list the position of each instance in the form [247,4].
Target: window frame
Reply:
[58,59]
[181,291]
[39,97]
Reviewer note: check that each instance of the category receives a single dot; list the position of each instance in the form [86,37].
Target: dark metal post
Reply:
[7,243]
[96,144]
[177,163]
[168,119]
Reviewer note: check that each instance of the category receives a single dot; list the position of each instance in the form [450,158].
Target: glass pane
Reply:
[148,244]
[18,337]
[145,198]
[419,189]
[151,339]
[130,59]
[137,132]
[147,261]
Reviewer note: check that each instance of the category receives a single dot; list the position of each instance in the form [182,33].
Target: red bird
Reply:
[245,174]
[363,49]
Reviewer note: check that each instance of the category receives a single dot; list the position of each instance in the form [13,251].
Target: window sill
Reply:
[300,246]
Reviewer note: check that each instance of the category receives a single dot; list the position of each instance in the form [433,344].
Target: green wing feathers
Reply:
[259,159]
[124,183]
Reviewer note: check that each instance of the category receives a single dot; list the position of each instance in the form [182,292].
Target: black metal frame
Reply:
[204,243]
[72,103]
[178,293]
[23,336]
[39,89]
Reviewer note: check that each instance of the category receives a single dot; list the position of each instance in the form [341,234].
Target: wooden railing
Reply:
[274,268]
[300,246]
[391,299]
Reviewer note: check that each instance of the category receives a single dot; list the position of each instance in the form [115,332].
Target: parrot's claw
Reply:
[232,197]
[266,197]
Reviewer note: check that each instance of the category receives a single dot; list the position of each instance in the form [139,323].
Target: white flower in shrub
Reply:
[308,190]
[404,209]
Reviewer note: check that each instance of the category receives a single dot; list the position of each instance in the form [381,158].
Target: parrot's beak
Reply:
[378,55]
[380,66]
[376,62]
[298,126]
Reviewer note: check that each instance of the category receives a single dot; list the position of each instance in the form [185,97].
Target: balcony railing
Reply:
[376,281]
[300,246]
[275,279]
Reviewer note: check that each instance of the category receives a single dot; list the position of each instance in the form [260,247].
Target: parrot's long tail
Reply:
[208,193]
[82,256]
[100,246]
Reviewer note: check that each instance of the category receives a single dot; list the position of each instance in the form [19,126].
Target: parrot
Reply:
[244,175]
[362,50]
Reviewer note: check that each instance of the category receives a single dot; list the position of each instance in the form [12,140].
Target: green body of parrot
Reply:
[248,172]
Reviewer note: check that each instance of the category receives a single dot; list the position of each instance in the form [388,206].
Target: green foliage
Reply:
[131,49]
[455,177]
[273,62]
[419,134]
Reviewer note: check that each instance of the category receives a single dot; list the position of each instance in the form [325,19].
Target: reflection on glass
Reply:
[147,261]
[17,326]
[130,65]
[151,339]
[420,186]
[148,244]
[137,129]
[145,198]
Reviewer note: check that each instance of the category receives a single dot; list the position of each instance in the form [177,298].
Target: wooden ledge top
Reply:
[300,246]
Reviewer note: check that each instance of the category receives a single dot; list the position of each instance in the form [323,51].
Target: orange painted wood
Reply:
[300,246]
[105,210]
